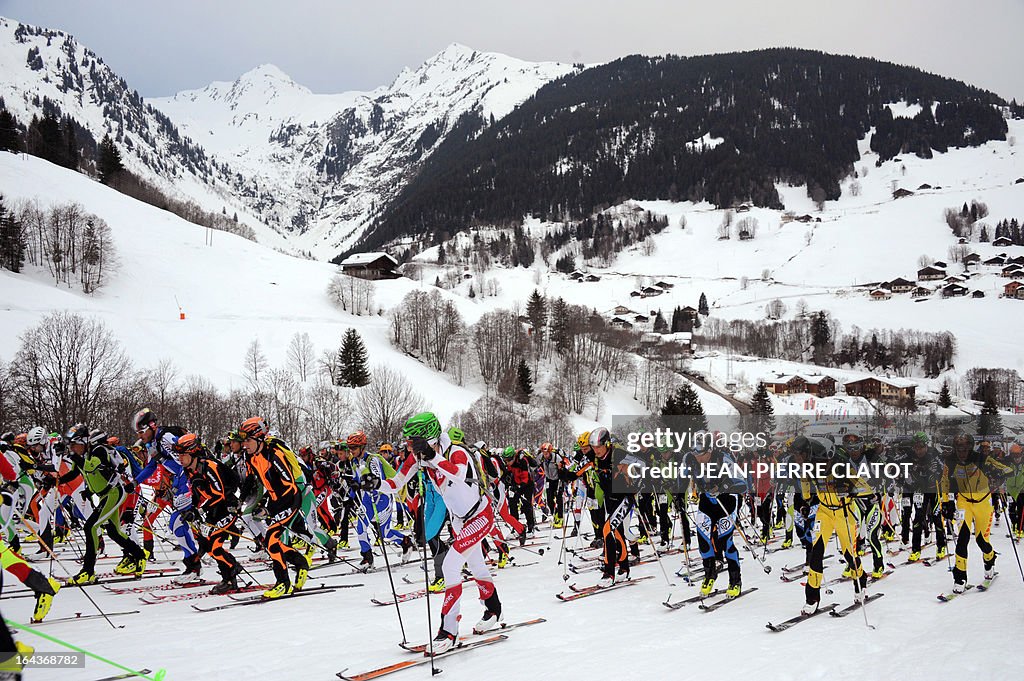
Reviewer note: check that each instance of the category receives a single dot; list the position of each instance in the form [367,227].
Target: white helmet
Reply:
[36,436]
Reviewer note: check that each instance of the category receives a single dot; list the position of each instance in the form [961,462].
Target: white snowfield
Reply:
[625,634]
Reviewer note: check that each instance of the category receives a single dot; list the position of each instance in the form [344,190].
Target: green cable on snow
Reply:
[159,676]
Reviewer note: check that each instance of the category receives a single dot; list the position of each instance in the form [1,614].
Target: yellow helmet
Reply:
[583,440]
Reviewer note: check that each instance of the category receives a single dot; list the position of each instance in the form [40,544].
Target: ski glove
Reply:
[370,483]
[422,449]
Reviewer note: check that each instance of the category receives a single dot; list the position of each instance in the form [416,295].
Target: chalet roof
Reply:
[366,258]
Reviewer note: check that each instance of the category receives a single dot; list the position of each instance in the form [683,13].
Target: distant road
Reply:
[742,407]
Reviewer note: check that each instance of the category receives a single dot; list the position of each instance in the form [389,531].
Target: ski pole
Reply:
[159,676]
[82,586]
[657,556]
[767,568]
[857,588]
[387,565]
[1013,541]
[434,671]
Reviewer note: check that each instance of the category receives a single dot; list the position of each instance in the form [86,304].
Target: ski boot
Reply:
[302,573]
[82,578]
[437,586]
[45,592]
[367,559]
[734,590]
[332,550]
[914,557]
[492,615]
[191,574]
[941,553]
[407,548]
[443,642]
[279,590]
[229,581]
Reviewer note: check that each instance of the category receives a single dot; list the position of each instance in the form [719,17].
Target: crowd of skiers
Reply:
[292,503]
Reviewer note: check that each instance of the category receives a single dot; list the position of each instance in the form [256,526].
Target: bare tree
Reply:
[776,309]
[801,309]
[498,338]
[925,260]
[327,411]
[353,294]
[255,364]
[425,325]
[386,403]
[855,188]
[958,252]
[66,368]
[301,356]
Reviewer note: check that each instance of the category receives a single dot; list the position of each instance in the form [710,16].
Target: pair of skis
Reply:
[576,592]
[830,609]
[465,644]
[984,586]
[256,600]
[705,606]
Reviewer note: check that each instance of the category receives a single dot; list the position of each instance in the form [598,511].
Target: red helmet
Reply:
[255,428]
[546,447]
[357,439]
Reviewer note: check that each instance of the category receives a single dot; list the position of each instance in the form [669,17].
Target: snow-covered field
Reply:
[626,634]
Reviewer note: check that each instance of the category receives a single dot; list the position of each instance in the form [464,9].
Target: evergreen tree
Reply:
[660,325]
[442,256]
[537,312]
[821,338]
[944,398]
[702,306]
[990,422]
[560,335]
[983,238]
[524,382]
[10,136]
[353,368]
[46,140]
[71,155]
[109,164]
[763,416]
[685,402]
[12,241]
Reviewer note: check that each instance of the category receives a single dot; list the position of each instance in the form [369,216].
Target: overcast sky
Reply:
[161,47]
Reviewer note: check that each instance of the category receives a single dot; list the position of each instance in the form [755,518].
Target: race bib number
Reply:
[918,498]
[959,515]
[817,527]
[906,502]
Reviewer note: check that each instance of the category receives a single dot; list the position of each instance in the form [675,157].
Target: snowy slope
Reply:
[231,292]
[75,78]
[859,239]
[326,162]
